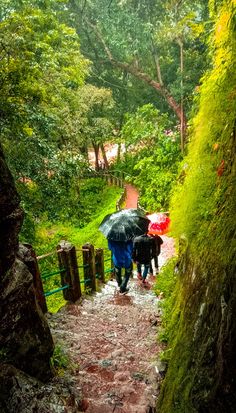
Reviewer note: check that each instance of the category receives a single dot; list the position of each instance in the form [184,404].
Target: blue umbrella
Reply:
[124,225]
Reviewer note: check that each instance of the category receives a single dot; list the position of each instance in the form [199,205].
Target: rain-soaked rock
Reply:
[161,367]
[21,393]
[25,339]
[11,217]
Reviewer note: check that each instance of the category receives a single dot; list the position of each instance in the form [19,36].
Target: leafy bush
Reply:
[153,171]
[157,173]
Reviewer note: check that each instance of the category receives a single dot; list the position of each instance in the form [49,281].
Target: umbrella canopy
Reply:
[124,225]
[159,225]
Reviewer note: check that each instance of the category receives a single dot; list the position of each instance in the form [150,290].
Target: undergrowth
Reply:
[60,360]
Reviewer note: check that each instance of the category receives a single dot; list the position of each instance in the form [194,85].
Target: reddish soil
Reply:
[131,196]
[112,342]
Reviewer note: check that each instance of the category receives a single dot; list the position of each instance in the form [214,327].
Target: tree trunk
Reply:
[118,152]
[96,152]
[104,156]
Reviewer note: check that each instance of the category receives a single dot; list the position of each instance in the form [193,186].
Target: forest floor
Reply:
[112,342]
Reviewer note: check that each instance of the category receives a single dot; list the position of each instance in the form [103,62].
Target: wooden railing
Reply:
[88,269]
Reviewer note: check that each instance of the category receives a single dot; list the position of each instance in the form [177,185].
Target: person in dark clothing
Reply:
[122,258]
[158,242]
[143,252]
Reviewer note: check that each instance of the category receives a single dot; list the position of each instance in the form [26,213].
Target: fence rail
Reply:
[90,263]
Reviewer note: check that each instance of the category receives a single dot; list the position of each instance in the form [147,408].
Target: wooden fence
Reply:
[73,273]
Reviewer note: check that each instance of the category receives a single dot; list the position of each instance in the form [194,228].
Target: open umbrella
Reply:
[124,225]
[159,225]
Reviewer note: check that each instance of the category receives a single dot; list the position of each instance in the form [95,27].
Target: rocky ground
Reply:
[112,342]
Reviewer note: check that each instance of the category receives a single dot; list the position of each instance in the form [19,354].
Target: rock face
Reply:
[25,339]
[23,394]
[25,335]
[11,217]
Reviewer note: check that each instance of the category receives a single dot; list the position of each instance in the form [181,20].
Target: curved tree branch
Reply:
[135,71]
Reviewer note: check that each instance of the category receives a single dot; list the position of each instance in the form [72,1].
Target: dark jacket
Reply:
[144,249]
[158,242]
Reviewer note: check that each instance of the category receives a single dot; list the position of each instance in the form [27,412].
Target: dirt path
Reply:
[131,196]
[112,341]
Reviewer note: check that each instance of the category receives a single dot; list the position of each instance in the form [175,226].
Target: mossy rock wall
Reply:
[201,376]
[202,367]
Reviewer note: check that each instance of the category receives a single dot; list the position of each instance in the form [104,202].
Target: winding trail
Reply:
[131,196]
[112,342]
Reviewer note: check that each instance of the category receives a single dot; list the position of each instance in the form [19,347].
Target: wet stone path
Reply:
[112,342]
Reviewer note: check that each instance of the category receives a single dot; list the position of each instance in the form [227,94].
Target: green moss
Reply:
[200,326]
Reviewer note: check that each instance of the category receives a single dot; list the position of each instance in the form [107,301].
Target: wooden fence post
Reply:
[99,264]
[69,271]
[28,256]
[121,183]
[89,266]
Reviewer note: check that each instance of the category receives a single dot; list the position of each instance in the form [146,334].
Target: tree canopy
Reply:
[151,44]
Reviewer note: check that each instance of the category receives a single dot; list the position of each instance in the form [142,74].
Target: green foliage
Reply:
[203,213]
[58,190]
[49,234]
[96,117]
[40,63]
[60,359]
[209,181]
[144,127]
[41,73]
[157,172]
[153,164]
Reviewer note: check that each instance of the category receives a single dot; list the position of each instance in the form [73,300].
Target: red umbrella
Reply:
[159,225]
